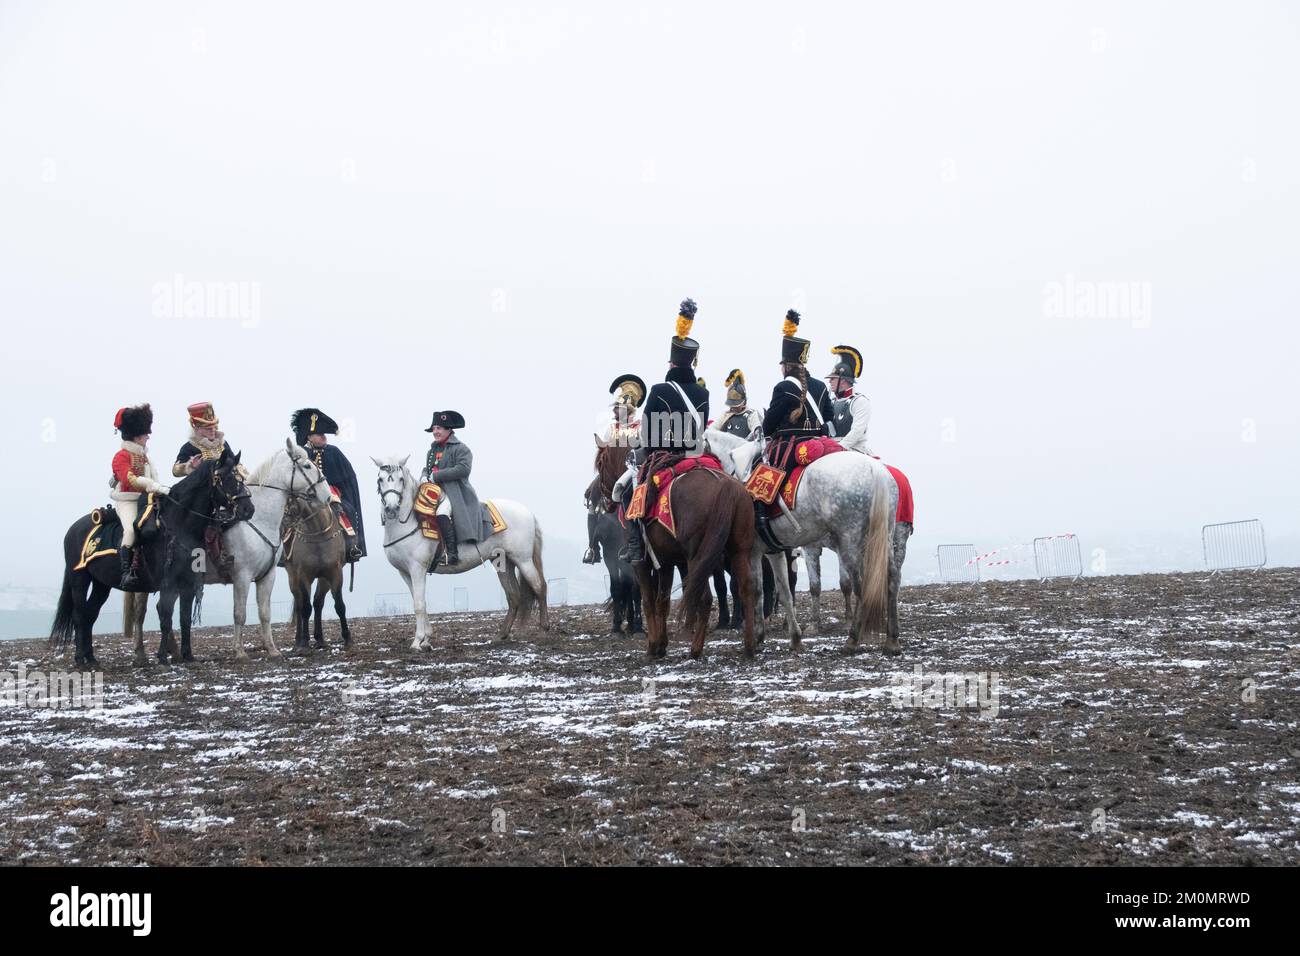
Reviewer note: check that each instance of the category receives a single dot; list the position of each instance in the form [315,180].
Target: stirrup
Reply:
[590,556]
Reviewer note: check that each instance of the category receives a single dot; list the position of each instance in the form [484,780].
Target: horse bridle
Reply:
[383,516]
[309,494]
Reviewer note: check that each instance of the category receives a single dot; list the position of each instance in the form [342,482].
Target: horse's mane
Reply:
[611,460]
[184,491]
[263,471]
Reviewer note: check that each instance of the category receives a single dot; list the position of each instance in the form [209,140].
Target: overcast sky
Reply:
[1063,235]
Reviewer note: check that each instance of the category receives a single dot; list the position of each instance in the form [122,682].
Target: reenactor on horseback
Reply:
[206,443]
[133,475]
[739,420]
[311,428]
[623,432]
[448,466]
[852,411]
[799,404]
[800,408]
[672,425]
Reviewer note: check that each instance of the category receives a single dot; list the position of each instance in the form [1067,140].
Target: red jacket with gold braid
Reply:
[132,471]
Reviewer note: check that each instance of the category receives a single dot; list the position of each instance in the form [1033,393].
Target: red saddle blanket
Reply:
[653,500]
[769,480]
[904,512]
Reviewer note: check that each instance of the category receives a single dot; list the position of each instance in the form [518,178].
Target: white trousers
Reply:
[127,510]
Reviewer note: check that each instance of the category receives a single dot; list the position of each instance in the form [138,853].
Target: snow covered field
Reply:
[1143,719]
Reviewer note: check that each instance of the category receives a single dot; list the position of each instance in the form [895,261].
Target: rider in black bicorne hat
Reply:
[310,427]
[448,466]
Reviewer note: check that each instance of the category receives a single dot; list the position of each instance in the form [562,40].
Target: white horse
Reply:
[254,546]
[516,552]
[847,502]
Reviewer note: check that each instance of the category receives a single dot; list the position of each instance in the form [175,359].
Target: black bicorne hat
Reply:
[794,351]
[447,419]
[311,421]
[684,349]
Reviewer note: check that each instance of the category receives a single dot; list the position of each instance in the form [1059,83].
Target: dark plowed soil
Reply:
[1148,719]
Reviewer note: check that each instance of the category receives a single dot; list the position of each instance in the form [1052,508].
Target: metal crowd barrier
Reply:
[958,563]
[1233,545]
[1058,556]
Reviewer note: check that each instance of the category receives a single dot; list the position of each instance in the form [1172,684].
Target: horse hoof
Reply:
[142,661]
[893,649]
[187,658]
[320,645]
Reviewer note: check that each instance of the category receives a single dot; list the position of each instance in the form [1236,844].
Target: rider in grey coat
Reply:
[448,465]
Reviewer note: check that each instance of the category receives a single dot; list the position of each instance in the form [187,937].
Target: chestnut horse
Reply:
[714,519]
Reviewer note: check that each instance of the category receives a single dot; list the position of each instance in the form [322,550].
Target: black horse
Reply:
[169,541]
[230,503]
[624,592]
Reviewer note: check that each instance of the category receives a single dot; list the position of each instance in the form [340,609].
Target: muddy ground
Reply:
[1145,719]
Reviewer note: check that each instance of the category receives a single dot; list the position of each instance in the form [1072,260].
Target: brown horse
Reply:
[315,548]
[714,519]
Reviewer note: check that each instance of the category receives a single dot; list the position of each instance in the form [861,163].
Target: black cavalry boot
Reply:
[635,548]
[129,577]
[447,532]
[592,555]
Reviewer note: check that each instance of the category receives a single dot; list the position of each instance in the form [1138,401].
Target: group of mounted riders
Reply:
[674,421]
[447,466]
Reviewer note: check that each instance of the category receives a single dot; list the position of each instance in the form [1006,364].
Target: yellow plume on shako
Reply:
[736,375]
[791,325]
[686,318]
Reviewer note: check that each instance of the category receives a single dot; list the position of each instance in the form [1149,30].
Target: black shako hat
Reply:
[311,421]
[684,350]
[794,351]
[447,419]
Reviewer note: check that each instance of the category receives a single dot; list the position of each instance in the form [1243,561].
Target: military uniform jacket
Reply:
[740,424]
[189,450]
[852,413]
[448,465]
[337,470]
[817,407]
[668,423]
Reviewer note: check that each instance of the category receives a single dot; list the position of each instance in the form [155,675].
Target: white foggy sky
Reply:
[596,163]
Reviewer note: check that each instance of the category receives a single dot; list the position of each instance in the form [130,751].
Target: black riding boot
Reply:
[635,548]
[129,578]
[447,532]
[763,528]
[593,546]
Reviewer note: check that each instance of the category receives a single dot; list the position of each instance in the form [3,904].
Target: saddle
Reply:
[652,499]
[425,507]
[781,471]
[105,535]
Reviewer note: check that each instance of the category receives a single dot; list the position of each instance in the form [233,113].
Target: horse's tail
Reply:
[64,627]
[710,556]
[873,613]
[537,561]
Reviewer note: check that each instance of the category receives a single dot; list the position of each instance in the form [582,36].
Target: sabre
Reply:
[785,510]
